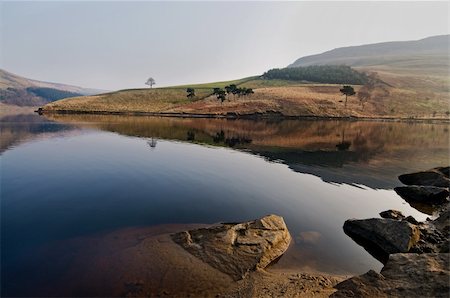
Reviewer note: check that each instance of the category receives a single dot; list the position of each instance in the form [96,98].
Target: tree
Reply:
[221,94]
[347,91]
[190,93]
[232,88]
[150,82]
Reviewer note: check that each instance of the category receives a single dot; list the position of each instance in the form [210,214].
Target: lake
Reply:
[66,177]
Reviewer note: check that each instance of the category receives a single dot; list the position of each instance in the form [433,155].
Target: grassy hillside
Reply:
[428,54]
[412,81]
[285,97]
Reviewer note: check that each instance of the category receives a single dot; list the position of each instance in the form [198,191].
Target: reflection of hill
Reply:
[16,129]
[368,153]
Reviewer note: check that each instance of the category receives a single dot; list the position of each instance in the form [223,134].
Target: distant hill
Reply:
[20,91]
[424,55]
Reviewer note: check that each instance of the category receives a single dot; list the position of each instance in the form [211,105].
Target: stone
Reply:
[382,237]
[444,170]
[238,248]
[434,177]
[423,194]
[392,214]
[404,275]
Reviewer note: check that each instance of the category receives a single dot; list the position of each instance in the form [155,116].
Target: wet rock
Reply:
[392,214]
[404,275]
[381,236]
[237,248]
[434,177]
[423,194]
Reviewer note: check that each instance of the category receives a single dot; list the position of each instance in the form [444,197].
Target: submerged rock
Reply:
[381,236]
[423,194]
[237,248]
[404,275]
[434,177]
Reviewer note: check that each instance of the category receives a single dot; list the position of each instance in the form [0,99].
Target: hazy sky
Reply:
[114,45]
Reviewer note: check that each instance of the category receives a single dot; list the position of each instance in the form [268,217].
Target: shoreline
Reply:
[251,116]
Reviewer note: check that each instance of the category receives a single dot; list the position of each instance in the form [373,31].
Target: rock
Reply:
[442,222]
[411,220]
[444,170]
[392,214]
[431,240]
[237,248]
[423,194]
[404,275]
[381,236]
[434,177]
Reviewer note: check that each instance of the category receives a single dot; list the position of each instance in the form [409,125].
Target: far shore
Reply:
[255,116]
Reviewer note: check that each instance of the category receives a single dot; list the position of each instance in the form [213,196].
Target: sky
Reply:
[117,45]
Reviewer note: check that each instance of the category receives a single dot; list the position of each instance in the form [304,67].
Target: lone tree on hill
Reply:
[347,91]
[190,93]
[150,82]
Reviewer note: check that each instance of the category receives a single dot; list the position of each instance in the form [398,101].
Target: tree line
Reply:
[329,74]
[222,94]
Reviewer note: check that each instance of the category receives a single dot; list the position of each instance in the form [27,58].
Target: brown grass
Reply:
[410,96]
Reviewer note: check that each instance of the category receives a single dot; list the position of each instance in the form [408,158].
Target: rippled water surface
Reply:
[66,177]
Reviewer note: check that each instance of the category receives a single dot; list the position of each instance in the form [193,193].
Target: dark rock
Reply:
[423,194]
[431,239]
[392,214]
[444,170]
[237,248]
[381,237]
[404,275]
[434,177]
[411,220]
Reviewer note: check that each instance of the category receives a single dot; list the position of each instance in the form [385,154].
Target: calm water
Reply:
[66,177]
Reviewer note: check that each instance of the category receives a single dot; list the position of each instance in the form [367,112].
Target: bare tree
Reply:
[150,82]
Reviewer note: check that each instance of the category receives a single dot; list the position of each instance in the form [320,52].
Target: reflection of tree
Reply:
[230,141]
[343,145]
[190,135]
[219,137]
[152,142]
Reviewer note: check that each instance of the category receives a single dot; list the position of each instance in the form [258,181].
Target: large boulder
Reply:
[237,248]
[434,177]
[404,275]
[382,237]
[423,194]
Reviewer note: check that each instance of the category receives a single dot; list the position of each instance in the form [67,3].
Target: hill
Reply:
[20,91]
[412,85]
[424,55]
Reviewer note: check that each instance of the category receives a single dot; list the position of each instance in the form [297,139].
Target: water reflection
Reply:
[352,152]
[98,178]
[16,129]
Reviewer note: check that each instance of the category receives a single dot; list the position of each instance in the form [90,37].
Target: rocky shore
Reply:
[415,254]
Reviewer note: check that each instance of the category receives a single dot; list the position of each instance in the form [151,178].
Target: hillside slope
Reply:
[425,55]
[17,90]
[412,82]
